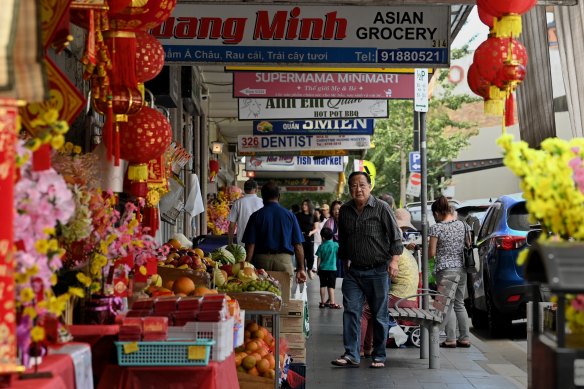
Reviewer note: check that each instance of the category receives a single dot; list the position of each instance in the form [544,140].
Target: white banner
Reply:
[294,163]
[290,108]
[276,143]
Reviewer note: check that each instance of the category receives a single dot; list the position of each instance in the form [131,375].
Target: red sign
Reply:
[415,179]
[324,85]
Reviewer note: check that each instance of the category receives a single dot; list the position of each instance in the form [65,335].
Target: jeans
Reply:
[458,312]
[373,285]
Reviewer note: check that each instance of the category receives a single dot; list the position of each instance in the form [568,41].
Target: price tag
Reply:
[197,352]
[131,348]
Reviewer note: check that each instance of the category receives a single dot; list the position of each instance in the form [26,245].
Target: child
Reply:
[327,268]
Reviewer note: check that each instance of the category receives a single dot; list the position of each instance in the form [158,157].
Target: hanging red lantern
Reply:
[481,87]
[149,56]
[142,15]
[144,137]
[213,170]
[508,14]
[487,18]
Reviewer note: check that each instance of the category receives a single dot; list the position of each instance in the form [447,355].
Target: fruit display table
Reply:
[217,375]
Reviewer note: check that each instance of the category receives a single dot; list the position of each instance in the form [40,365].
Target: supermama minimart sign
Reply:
[259,33]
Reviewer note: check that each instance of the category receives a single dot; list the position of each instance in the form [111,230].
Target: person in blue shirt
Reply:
[272,235]
[327,268]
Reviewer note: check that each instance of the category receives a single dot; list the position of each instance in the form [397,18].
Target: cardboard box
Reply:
[298,354]
[284,279]
[291,324]
[294,339]
[293,308]
[248,381]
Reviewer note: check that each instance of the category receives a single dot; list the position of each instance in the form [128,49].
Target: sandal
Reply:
[365,355]
[462,344]
[344,361]
[377,365]
[322,305]
[448,345]
[335,306]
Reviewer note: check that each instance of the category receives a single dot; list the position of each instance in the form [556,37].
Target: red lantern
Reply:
[143,16]
[508,14]
[487,18]
[478,85]
[213,170]
[149,57]
[493,54]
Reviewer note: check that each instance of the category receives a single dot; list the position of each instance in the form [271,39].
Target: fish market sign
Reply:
[294,164]
[259,109]
[246,143]
[314,127]
[260,33]
[322,84]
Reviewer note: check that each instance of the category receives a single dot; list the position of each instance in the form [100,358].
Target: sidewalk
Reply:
[476,367]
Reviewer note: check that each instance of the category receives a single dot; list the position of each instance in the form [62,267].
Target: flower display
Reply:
[575,313]
[218,210]
[552,180]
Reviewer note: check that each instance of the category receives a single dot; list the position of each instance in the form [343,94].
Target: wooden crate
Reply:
[248,381]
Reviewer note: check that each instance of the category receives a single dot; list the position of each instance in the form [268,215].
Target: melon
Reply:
[238,252]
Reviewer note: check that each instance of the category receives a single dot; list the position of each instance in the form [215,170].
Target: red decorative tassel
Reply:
[41,159]
[122,46]
[108,129]
[150,220]
[138,188]
[509,111]
[117,146]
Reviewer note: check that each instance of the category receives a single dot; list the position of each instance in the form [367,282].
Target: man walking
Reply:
[272,235]
[369,245]
[242,210]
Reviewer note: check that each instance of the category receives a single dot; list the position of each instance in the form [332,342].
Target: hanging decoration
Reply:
[213,170]
[149,57]
[501,60]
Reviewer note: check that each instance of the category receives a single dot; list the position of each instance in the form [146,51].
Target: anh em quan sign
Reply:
[260,33]
[314,127]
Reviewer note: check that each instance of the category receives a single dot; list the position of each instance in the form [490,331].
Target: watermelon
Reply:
[238,252]
[223,256]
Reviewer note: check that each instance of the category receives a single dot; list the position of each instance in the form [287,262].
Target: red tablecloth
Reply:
[63,374]
[217,375]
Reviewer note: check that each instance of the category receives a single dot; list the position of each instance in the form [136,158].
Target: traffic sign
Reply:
[421,90]
[414,186]
[415,162]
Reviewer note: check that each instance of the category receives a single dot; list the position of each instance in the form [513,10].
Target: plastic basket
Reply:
[221,332]
[164,353]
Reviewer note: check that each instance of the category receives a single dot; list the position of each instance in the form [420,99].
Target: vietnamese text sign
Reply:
[331,85]
[295,184]
[261,33]
[259,109]
[301,142]
[308,153]
[314,127]
[294,163]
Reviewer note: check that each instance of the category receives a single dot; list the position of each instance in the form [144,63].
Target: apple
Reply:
[185,260]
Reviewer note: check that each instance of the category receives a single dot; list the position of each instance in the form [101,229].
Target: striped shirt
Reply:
[370,238]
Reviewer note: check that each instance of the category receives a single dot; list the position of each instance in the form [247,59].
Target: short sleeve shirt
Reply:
[406,282]
[242,210]
[273,229]
[327,252]
[450,244]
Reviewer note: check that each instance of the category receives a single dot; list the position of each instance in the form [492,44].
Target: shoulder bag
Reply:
[468,255]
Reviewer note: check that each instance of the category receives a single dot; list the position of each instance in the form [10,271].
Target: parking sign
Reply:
[415,161]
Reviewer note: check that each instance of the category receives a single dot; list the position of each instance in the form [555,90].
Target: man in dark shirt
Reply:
[370,243]
[272,235]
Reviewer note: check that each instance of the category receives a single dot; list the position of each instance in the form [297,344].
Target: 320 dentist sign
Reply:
[259,33]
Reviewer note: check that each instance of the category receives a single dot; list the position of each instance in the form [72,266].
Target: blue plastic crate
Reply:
[164,353]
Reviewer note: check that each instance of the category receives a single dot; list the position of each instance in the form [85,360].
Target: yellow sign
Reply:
[197,352]
[318,69]
[368,167]
[131,348]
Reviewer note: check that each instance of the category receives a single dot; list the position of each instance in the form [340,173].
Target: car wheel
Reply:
[414,337]
[499,324]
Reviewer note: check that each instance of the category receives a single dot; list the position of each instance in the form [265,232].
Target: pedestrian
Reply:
[369,246]
[317,238]
[327,269]
[332,223]
[388,199]
[272,235]
[309,227]
[326,214]
[242,210]
[447,239]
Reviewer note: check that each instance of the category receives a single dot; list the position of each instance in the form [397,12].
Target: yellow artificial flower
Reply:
[77,149]
[41,246]
[37,334]
[54,279]
[49,230]
[76,292]
[83,279]
[30,312]
[57,142]
[26,295]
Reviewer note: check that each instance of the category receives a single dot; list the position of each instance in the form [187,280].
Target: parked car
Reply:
[415,210]
[497,292]
[473,212]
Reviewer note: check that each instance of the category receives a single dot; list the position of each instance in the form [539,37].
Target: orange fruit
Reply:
[240,369]
[183,285]
[238,360]
[271,373]
[248,362]
[252,327]
[263,365]
[253,371]
[257,356]
[257,334]
[246,335]
[263,352]
[252,346]
[272,360]
[199,252]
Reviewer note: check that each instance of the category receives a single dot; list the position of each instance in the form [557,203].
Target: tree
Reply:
[394,137]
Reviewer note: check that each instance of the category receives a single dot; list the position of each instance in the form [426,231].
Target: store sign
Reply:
[301,142]
[295,184]
[323,84]
[260,109]
[307,153]
[260,33]
[294,163]
[314,127]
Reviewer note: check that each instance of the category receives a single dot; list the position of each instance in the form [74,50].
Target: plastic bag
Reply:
[301,293]
[398,334]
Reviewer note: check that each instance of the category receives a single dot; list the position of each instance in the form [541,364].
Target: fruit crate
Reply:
[221,332]
[164,353]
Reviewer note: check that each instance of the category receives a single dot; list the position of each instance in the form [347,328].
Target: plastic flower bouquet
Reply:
[218,210]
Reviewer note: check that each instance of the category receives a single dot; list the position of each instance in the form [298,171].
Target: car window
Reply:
[487,228]
[518,217]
